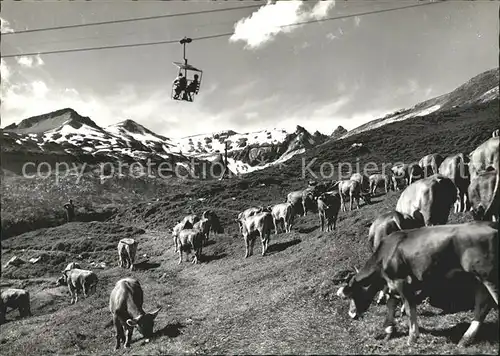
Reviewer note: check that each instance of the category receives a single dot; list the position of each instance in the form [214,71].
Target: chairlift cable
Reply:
[86,49]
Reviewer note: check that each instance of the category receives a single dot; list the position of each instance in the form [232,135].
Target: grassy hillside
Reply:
[281,303]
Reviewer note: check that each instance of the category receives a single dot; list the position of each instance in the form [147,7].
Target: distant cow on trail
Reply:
[283,214]
[398,176]
[328,210]
[127,249]
[351,189]
[430,164]
[428,200]
[191,240]
[379,180]
[457,169]
[78,281]
[363,180]
[125,304]
[15,299]
[419,260]
[261,225]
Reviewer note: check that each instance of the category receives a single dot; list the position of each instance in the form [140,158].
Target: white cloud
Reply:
[5,26]
[269,20]
[39,89]
[331,36]
[4,71]
[30,62]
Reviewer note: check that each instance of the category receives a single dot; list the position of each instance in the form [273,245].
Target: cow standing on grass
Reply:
[78,281]
[191,240]
[127,249]
[456,168]
[421,259]
[261,225]
[283,214]
[351,189]
[328,210]
[379,180]
[15,299]
[125,304]
[428,200]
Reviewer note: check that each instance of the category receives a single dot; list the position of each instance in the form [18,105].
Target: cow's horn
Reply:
[356,269]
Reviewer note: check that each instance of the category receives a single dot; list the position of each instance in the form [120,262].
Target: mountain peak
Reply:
[51,121]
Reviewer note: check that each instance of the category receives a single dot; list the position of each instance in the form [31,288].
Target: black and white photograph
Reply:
[247,177]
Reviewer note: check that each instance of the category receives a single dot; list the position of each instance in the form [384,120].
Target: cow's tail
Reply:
[494,198]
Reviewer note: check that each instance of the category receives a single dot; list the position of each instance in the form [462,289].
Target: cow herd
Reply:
[413,247]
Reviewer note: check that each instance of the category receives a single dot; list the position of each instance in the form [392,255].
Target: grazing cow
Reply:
[399,176]
[15,299]
[61,281]
[484,157]
[351,189]
[430,164]
[379,180]
[125,304]
[191,240]
[328,209]
[483,195]
[428,200]
[127,248]
[457,169]
[383,226]
[419,260]
[295,198]
[282,214]
[176,231]
[80,280]
[363,180]
[214,223]
[259,224]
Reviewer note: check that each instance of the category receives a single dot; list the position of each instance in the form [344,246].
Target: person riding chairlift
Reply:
[192,87]
[180,84]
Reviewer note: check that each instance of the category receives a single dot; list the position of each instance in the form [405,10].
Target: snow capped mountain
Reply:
[478,90]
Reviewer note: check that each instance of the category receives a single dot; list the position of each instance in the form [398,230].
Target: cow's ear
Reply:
[131,322]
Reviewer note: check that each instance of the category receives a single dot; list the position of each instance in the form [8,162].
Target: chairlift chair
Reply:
[185,67]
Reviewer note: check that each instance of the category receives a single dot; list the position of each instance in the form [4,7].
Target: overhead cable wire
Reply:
[86,49]
[129,20]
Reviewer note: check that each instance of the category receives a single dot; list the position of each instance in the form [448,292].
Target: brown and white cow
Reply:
[379,180]
[125,304]
[414,172]
[428,200]
[418,260]
[176,231]
[127,249]
[80,281]
[15,299]
[456,168]
[283,214]
[328,210]
[261,225]
[430,164]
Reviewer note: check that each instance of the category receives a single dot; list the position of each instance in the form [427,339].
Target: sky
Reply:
[318,75]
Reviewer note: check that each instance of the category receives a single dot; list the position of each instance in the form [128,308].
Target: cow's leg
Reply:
[304,207]
[321,221]
[389,317]
[411,310]
[176,245]
[382,294]
[120,334]
[131,263]
[276,223]
[252,244]
[72,292]
[481,310]
[180,254]
[247,246]
[128,338]
[263,241]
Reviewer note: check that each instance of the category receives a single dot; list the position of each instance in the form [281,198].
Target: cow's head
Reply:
[359,294]
[144,323]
